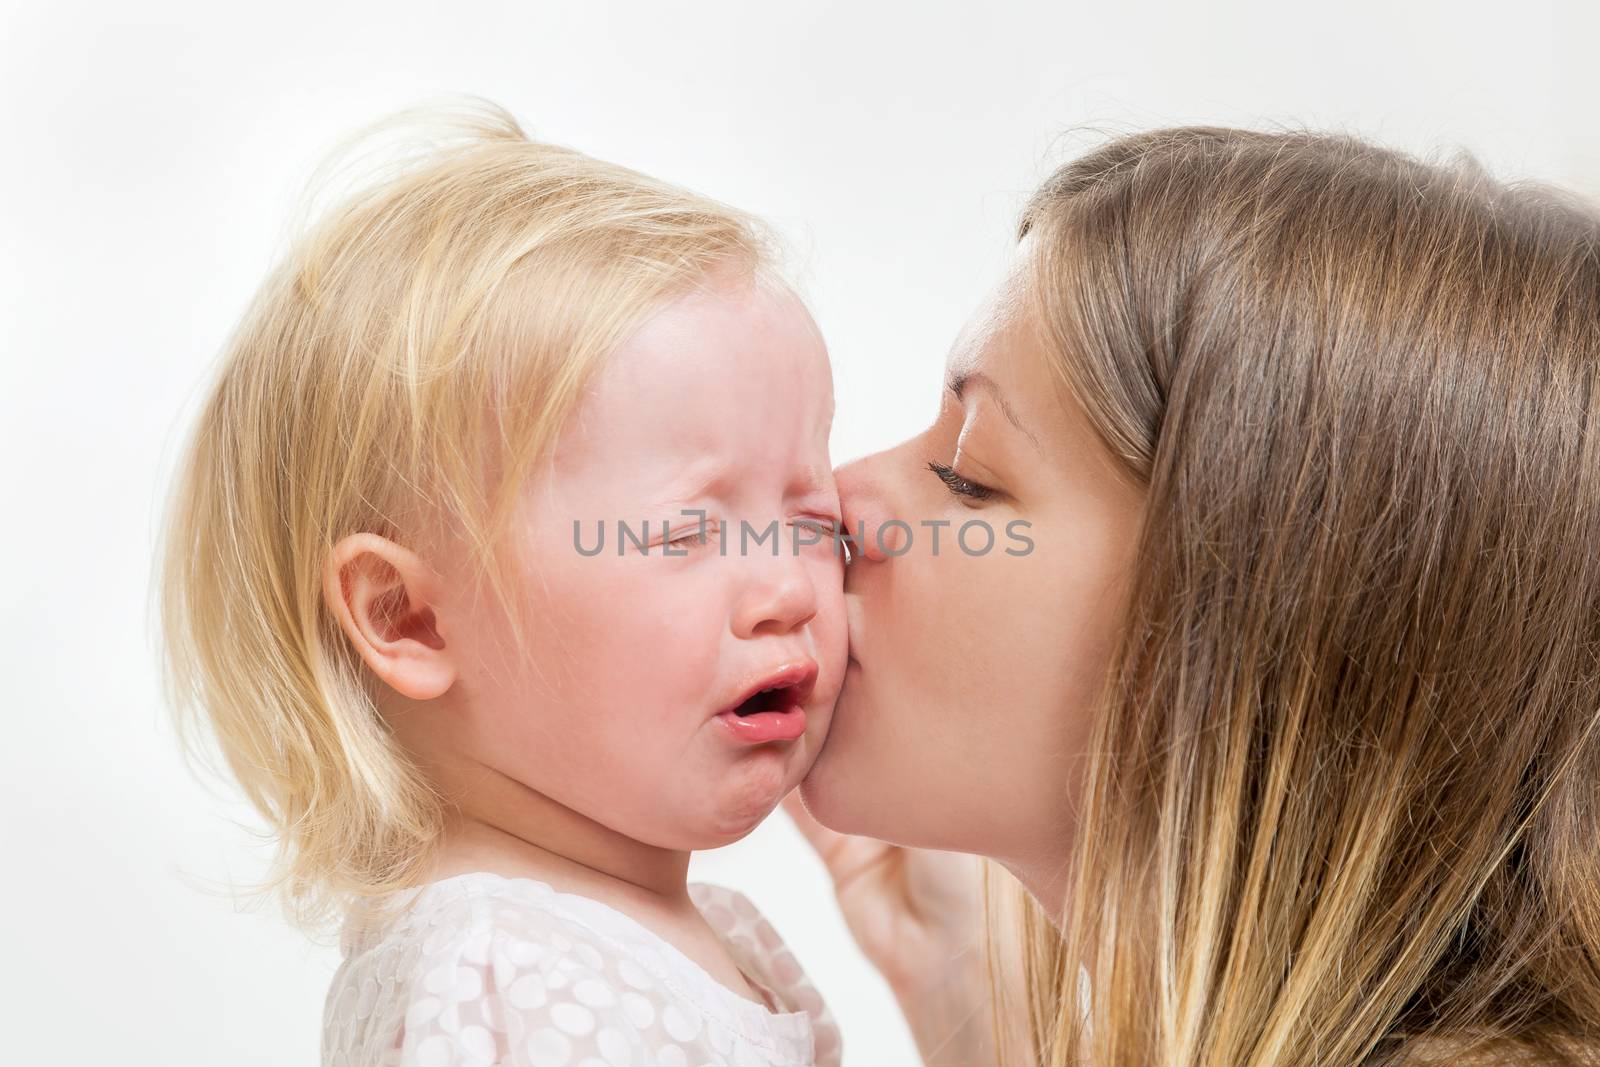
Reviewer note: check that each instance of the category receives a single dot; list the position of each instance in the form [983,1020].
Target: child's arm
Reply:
[918,916]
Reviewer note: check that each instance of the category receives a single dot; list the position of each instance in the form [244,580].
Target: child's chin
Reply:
[744,800]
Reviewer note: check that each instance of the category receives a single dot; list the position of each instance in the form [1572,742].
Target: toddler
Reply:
[494,567]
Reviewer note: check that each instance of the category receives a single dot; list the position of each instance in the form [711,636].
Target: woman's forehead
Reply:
[998,315]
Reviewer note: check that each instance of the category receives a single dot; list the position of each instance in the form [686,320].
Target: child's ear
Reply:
[383,596]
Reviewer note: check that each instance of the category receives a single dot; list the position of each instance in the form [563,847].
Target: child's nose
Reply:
[782,600]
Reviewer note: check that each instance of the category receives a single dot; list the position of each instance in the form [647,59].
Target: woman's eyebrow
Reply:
[957,382]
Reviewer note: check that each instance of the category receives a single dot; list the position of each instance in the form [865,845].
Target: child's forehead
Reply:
[721,477]
[704,362]
[686,455]
[720,393]
[755,325]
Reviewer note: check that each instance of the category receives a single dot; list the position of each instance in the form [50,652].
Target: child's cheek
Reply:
[830,632]
[675,626]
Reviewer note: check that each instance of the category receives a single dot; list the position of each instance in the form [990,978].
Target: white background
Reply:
[151,153]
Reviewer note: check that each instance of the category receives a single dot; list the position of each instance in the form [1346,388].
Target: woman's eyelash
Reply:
[957,484]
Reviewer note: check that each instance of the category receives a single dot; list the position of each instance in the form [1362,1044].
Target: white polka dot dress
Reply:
[487,970]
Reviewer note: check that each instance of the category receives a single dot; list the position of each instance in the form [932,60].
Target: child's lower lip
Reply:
[765,726]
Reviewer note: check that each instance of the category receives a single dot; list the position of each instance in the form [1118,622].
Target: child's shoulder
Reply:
[764,956]
[742,926]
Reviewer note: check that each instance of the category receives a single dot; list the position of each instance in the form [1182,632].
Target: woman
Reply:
[1288,720]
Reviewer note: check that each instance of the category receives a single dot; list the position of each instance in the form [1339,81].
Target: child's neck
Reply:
[513,831]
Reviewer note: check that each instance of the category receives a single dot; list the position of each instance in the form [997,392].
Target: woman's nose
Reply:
[865,501]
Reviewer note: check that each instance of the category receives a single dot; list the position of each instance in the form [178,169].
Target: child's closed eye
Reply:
[694,533]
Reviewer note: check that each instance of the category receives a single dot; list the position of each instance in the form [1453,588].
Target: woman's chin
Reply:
[827,797]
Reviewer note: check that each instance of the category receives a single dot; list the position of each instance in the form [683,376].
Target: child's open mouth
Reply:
[783,698]
[773,708]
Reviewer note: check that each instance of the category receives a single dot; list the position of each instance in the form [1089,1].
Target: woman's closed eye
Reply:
[957,484]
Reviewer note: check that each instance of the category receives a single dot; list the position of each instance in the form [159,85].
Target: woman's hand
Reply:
[918,916]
